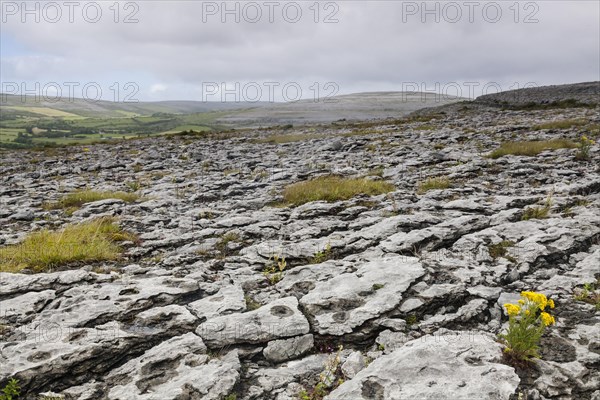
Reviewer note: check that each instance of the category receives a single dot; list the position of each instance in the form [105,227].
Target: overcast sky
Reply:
[179,50]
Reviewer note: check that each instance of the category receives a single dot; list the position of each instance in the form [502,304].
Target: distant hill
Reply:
[107,109]
[352,107]
[574,93]
[360,106]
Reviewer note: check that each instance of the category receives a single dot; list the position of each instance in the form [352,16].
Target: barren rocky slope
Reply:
[405,282]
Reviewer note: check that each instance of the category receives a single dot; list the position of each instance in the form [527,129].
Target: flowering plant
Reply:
[584,148]
[527,322]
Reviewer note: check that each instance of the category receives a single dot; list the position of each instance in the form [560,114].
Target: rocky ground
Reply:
[397,294]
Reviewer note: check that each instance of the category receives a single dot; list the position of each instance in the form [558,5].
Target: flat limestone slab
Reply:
[446,365]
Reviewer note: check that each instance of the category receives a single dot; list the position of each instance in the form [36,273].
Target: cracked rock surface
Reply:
[405,289]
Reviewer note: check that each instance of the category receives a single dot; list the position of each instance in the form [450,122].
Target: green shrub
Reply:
[11,391]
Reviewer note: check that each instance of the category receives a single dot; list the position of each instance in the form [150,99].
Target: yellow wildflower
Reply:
[547,319]
[512,309]
[522,302]
[537,298]
[584,138]
[551,303]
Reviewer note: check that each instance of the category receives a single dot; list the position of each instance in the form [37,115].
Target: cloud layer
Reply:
[176,47]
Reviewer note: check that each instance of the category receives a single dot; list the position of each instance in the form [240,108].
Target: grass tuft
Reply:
[563,124]
[433,184]
[95,240]
[500,249]
[538,212]
[290,138]
[333,188]
[531,148]
[81,197]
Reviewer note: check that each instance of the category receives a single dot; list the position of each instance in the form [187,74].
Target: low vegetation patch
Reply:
[538,212]
[281,139]
[433,184]
[567,103]
[329,379]
[531,148]
[223,244]
[81,197]
[323,255]
[527,322]
[274,272]
[563,124]
[500,249]
[585,145]
[333,188]
[590,293]
[41,251]
[11,391]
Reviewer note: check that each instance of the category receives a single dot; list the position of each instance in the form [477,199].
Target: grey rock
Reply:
[177,368]
[227,300]
[354,363]
[287,349]
[23,215]
[279,319]
[346,301]
[435,366]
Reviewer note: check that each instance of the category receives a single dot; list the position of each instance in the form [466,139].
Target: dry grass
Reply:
[85,242]
[538,212]
[281,139]
[333,188]
[433,184]
[563,124]
[81,197]
[531,148]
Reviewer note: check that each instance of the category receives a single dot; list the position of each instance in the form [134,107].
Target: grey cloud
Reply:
[371,47]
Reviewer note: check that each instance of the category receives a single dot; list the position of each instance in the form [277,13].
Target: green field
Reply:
[45,112]
[41,126]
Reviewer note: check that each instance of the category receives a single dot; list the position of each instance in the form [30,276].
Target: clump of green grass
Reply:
[376,172]
[424,128]
[222,244]
[563,124]
[590,293]
[81,197]
[333,188]
[500,249]
[585,145]
[531,148]
[538,212]
[274,272]
[251,304]
[96,240]
[323,255]
[433,183]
